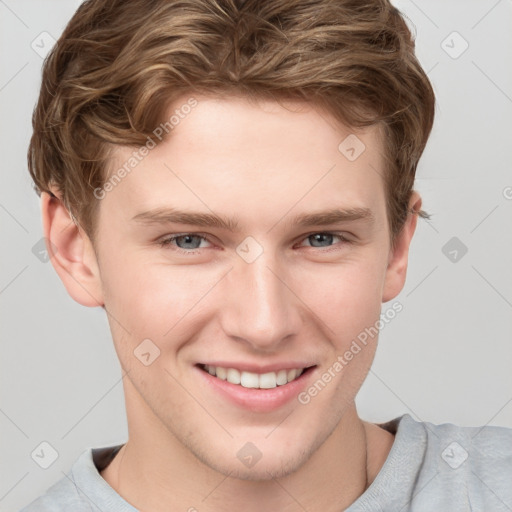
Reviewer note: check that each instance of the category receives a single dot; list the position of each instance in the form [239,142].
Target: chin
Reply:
[271,463]
[262,470]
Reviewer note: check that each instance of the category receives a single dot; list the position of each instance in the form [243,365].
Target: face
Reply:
[270,288]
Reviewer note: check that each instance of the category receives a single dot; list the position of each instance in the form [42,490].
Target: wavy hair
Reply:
[120,63]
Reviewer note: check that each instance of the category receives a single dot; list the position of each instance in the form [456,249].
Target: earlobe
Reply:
[71,252]
[399,254]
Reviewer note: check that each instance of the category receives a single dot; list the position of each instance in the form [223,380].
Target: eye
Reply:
[325,238]
[188,241]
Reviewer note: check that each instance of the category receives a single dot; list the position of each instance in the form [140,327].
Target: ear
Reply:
[71,252]
[399,253]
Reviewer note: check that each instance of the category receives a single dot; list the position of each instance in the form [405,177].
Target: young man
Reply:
[233,183]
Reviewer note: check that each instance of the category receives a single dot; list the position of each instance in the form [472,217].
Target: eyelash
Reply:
[166,242]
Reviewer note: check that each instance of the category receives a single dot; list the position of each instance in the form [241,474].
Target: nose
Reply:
[260,307]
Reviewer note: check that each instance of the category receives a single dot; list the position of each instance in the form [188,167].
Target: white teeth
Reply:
[249,380]
[254,380]
[222,373]
[291,375]
[233,376]
[268,380]
[282,377]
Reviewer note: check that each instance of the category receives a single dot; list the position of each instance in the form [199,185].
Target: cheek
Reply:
[346,297]
[154,300]
[349,305]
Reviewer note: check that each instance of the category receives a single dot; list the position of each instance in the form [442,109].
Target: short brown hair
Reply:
[120,63]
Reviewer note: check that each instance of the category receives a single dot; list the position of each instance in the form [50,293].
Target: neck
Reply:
[154,471]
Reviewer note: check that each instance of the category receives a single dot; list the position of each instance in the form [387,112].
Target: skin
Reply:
[298,301]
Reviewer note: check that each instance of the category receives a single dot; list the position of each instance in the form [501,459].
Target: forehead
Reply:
[231,154]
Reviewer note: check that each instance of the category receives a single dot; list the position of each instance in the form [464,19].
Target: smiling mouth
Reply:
[252,380]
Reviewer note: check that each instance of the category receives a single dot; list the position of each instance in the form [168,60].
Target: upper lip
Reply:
[255,368]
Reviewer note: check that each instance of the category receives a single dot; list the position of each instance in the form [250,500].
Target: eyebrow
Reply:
[209,220]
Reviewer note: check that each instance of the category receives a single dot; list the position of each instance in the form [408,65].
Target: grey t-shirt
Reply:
[429,468]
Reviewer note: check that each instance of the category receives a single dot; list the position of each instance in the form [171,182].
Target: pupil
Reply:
[322,235]
[188,238]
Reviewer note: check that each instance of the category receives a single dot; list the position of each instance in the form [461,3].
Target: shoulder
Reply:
[82,488]
[467,465]
[60,497]
[486,448]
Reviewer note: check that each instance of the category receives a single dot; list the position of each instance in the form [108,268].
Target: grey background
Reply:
[445,358]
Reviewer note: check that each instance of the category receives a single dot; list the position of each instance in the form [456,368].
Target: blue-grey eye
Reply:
[321,237]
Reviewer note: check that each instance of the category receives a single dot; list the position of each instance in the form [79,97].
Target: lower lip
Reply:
[257,400]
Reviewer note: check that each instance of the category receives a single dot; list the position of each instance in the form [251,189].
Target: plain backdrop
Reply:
[445,358]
